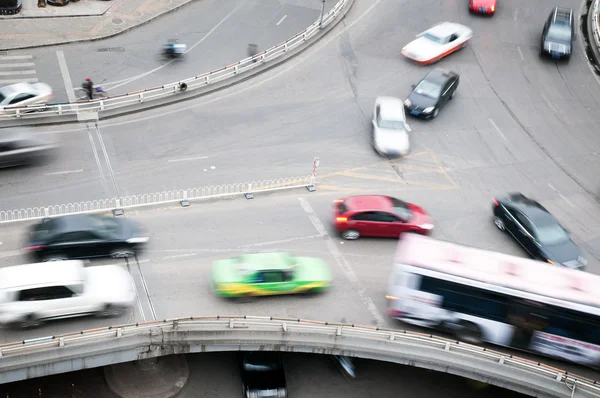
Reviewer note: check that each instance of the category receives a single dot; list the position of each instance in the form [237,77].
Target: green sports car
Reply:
[266,274]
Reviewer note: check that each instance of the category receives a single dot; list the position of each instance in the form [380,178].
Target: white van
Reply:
[33,293]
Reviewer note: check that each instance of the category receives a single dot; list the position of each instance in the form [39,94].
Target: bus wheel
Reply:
[469,333]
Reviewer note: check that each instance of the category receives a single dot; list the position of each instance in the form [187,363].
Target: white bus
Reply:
[486,296]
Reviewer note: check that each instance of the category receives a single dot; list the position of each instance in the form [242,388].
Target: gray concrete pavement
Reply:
[217,375]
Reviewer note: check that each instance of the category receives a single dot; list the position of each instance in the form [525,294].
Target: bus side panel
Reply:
[566,349]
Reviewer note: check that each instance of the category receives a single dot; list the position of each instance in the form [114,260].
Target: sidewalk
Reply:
[80,21]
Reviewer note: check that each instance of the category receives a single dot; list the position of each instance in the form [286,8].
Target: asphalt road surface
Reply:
[217,375]
[217,33]
[518,123]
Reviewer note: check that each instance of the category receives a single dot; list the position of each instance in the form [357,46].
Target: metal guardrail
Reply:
[229,332]
[193,83]
[158,198]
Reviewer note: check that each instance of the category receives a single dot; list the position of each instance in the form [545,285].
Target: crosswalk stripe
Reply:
[11,81]
[14,57]
[23,65]
[19,72]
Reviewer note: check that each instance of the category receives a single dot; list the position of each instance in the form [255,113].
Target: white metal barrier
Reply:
[236,332]
[193,83]
[158,198]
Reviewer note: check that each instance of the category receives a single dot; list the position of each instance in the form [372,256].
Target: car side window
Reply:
[287,276]
[386,217]
[453,37]
[524,222]
[273,276]
[75,237]
[447,87]
[21,97]
[366,216]
[45,293]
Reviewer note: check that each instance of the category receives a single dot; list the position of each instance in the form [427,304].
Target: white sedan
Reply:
[21,94]
[390,130]
[437,42]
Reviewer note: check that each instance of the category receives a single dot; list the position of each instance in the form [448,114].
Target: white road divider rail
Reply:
[122,343]
[81,108]
[158,198]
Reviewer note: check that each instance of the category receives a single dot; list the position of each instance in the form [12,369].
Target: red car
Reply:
[487,7]
[378,216]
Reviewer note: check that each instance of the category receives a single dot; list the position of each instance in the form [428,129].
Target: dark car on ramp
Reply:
[432,93]
[558,34]
[85,236]
[262,375]
[534,228]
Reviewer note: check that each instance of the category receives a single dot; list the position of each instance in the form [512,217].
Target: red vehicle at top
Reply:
[487,7]
[378,216]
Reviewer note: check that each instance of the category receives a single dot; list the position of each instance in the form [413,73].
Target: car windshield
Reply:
[401,209]
[552,235]
[2,97]
[559,33]
[433,38]
[428,89]
[391,124]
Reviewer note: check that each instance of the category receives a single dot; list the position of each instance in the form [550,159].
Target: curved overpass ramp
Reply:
[107,346]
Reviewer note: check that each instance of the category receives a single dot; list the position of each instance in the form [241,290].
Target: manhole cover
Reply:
[117,21]
[111,49]
[104,49]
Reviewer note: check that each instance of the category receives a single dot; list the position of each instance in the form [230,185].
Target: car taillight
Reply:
[341,219]
[496,202]
[34,247]
[338,201]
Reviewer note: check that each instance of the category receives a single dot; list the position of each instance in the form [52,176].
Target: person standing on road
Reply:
[88,86]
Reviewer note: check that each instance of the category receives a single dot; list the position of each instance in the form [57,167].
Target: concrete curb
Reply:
[164,379]
[188,95]
[100,37]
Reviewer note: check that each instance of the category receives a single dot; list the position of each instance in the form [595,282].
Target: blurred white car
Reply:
[437,42]
[33,293]
[390,130]
[21,94]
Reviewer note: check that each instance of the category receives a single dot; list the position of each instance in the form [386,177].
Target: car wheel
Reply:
[469,333]
[122,252]
[453,94]
[436,112]
[499,223]
[350,234]
[30,321]
[56,257]
[110,311]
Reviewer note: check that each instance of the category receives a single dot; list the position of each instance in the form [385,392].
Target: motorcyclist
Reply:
[88,86]
[173,48]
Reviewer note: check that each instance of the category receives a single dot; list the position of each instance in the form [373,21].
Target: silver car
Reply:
[20,148]
[390,130]
[22,94]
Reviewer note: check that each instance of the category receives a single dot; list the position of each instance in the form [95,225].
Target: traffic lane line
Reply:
[281,20]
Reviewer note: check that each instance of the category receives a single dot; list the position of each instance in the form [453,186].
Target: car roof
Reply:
[444,29]
[532,209]
[76,222]
[17,88]
[40,274]
[391,108]
[368,202]
[254,262]
[439,75]
[560,14]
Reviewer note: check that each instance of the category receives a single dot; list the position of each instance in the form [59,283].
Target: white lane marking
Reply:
[18,72]
[134,78]
[24,65]
[63,172]
[15,57]
[497,128]
[9,81]
[520,53]
[515,14]
[135,290]
[293,64]
[107,160]
[187,159]
[64,71]
[278,242]
[561,195]
[102,178]
[282,19]
[342,262]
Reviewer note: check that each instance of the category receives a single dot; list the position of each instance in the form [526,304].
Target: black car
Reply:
[558,34]
[432,93]
[537,231]
[19,149]
[262,375]
[10,7]
[85,236]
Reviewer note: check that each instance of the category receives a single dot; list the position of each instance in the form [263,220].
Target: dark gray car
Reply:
[432,93]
